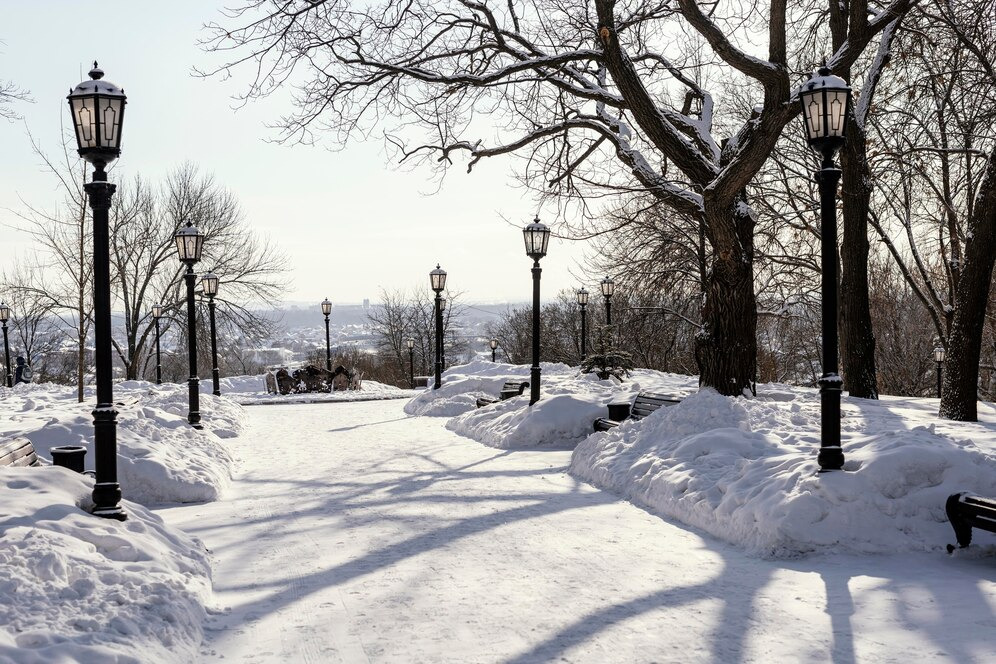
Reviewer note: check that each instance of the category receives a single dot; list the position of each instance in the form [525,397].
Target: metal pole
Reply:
[193,383]
[608,311]
[328,347]
[215,376]
[534,371]
[493,351]
[6,352]
[106,490]
[411,367]
[939,369]
[584,332]
[831,457]
[439,345]
[159,363]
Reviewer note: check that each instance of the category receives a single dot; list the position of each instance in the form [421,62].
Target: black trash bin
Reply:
[619,411]
[69,456]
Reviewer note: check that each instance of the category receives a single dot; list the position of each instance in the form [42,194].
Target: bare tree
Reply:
[145,219]
[584,90]
[65,252]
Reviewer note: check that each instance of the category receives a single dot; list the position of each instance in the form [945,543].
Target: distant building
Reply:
[366,304]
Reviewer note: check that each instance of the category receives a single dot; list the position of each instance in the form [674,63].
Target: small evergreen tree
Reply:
[607,360]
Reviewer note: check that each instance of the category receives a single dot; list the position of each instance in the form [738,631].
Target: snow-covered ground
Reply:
[161,459]
[78,588]
[744,469]
[371,536]
[251,391]
[366,532]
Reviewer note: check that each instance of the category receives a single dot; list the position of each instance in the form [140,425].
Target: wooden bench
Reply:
[645,403]
[511,388]
[965,512]
[18,452]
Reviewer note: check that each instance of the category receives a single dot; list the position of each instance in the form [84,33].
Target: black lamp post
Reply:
[411,363]
[4,317]
[437,279]
[209,284]
[494,346]
[327,309]
[189,244]
[442,336]
[583,303]
[537,238]
[157,313]
[608,288]
[825,99]
[939,354]
[97,110]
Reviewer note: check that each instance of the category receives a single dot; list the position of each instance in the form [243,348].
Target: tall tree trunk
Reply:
[857,339]
[961,371]
[726,347]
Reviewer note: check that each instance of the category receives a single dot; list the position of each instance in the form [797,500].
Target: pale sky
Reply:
[350,222]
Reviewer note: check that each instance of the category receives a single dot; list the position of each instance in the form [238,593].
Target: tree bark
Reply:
[857,338]
[726,347]
[961,371]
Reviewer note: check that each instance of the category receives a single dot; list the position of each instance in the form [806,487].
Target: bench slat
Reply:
[18,452]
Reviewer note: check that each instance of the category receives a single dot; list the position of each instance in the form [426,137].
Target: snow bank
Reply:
[78,588]
[570,402]
[161,459]
[744,470]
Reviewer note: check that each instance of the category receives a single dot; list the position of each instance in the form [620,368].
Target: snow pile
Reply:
[251,391]
[161,458]
[75,587]
[744,470]
[570,401]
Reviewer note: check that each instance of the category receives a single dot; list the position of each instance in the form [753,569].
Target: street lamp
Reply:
[825,99]
[939,354]
[537,238]
[209,284]
[157,313]
[97,109]
[189,244]
[437,279]
[4,317]
[608,288]
[583,303]
[494,346]
[327,309]
[411,363]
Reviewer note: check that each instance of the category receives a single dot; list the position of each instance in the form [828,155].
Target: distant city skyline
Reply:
[349,223]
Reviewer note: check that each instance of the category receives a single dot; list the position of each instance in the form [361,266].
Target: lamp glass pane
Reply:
[110,121]
[181,247]
[814,113]
[84,119]
[838,108]
[157,311]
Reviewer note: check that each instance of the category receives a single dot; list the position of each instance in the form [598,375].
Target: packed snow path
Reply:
[354,533]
